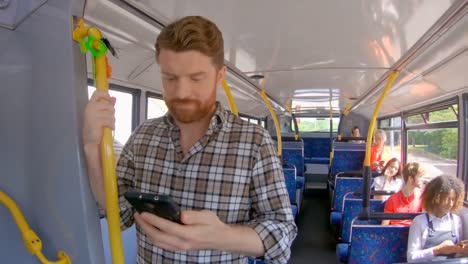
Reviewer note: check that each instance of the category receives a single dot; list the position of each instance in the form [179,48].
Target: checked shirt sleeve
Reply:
[271,215]
[125,174]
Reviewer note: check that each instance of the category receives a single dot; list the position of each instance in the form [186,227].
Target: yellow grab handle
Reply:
[107,150]
[232,103]
[275,120]
[31,240]
[373,120]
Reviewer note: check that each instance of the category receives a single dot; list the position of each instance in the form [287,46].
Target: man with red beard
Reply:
[222,171]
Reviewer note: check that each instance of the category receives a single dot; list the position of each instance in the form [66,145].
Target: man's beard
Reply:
[195,111]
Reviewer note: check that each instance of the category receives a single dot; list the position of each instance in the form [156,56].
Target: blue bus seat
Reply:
[375,244]
[293,153]
[290,180]
[343,185]
[129,241]
[316,150]
[347,157]
[352,208]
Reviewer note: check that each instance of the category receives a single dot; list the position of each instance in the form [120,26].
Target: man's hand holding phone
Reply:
[199,230]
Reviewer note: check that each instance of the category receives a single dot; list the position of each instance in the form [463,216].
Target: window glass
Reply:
[316,124]
[436,149]
[385,123]
[123,113]
[444,115]
[414,119]
[253,121]
[392,145]
[396,121]
[156,107]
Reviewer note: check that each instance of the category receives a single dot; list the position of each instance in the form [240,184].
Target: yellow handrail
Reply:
[31,240]
[373,120]
[275,120]
[101,73]
[232,103]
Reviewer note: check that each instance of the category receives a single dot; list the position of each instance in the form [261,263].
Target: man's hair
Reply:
[354,128]
[439,189]
[193,33]
[411,169]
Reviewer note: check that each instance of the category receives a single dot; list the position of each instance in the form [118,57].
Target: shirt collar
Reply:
[442,219]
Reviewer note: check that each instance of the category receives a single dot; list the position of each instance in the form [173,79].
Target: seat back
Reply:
[293,154]
[290,180]
[351,209]
[378,244]
[344,185]
[317,150]
[347,156]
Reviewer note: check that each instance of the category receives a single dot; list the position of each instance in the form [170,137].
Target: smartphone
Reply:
[157,204]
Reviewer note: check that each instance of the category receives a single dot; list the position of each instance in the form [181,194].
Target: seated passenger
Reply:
[377,149]
[390,180]
[357,134]
[408,200]
[434,235]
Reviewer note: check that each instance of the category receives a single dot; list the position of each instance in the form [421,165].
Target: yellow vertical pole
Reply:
[107,145]
[275,120]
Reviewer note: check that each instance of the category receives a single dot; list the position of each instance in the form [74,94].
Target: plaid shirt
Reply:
[233,171]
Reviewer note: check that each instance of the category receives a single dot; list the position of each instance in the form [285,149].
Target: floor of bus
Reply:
[315,242]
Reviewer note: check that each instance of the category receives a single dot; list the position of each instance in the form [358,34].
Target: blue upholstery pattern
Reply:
[300,181]
[344,185]
[351,210]
[293,153]
[294,210]
[378,244]
[317,150]
[290,180]
[347,157]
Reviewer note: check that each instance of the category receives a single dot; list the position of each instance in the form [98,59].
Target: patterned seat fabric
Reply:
[347,157]
[317,150]
[290,180]
[352,208]
[378,244]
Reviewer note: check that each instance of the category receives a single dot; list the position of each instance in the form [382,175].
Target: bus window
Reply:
[123,113]
[155,107]
[392,145]
[392,127]
[316,124]
[436,149]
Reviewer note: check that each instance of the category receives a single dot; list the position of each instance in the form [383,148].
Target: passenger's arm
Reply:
[271,213]
[416,241]
[99,113]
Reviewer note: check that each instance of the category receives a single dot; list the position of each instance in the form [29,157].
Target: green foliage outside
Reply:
[442,142]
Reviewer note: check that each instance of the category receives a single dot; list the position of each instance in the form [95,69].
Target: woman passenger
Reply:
[434,235]
[391,179]
[377,149]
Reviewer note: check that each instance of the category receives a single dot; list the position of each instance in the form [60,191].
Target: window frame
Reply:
[436,125]
[464,139]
